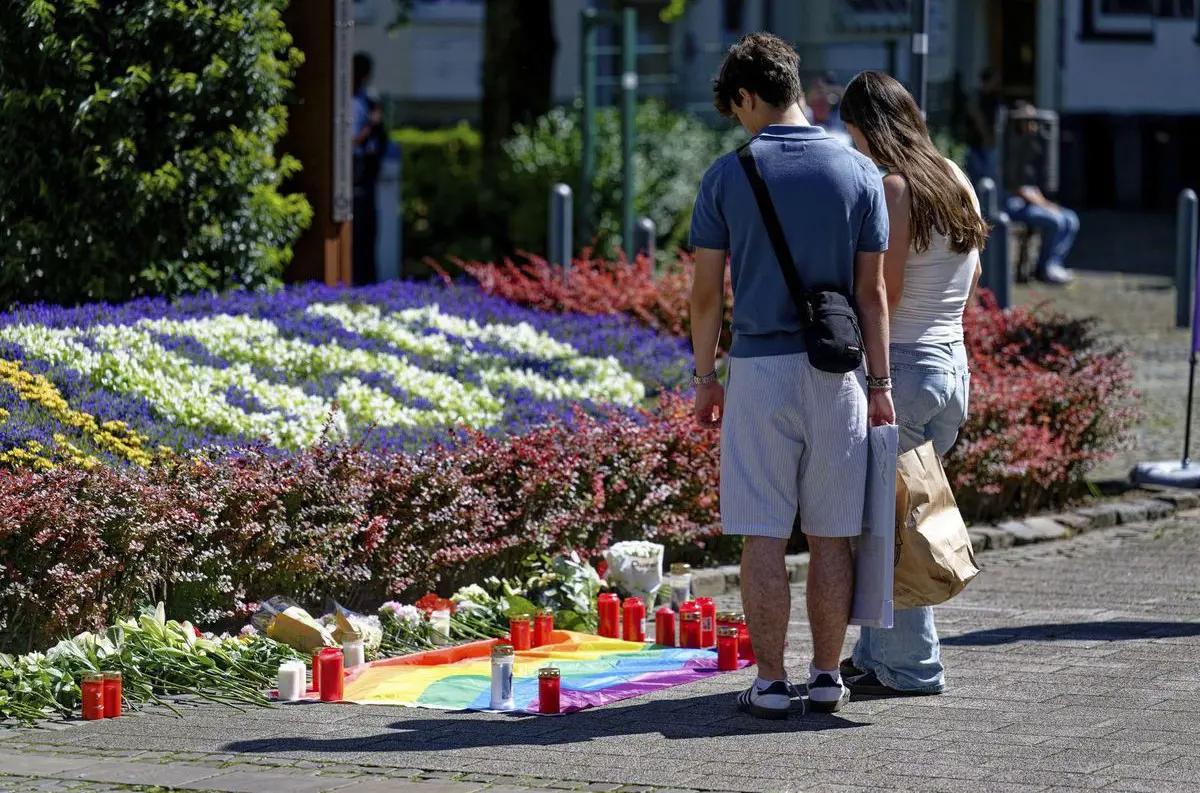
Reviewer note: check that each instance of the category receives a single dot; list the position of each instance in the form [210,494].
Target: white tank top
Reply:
[937,283]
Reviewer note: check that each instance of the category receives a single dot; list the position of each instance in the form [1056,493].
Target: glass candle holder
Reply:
[549,690]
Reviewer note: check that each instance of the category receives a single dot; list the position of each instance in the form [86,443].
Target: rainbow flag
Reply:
[595,671]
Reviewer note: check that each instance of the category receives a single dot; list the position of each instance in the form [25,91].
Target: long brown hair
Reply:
[890,121]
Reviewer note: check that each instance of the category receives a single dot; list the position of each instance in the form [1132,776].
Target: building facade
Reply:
[1124,75]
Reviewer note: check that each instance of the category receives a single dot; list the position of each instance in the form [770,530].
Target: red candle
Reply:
[112,695]
[608,607]
[331,674]
[664,627]
[549,690]
[745,648]
[543,627]
[708,621]
[634,613]
[689,629]
[92,689]
[727,649]
[726,619]
[520,632]
[316,672]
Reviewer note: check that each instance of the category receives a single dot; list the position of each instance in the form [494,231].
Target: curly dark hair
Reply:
[763,64]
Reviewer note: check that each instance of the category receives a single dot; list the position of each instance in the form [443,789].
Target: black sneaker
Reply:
[849,670]
[869,685]
[773,702]
[826,695]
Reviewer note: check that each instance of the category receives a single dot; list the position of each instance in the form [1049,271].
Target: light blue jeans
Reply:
[1057,227]
[931,384]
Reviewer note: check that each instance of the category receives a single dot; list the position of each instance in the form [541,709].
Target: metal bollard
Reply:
[645,239]
[997,264]
[1187,242]
[561,219]
[989,197]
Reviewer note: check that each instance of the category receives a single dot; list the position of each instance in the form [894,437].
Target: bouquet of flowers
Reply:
[635,568]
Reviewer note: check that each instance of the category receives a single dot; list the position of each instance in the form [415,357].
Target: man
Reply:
[981,154]
[370,143]
[1023,167]
[791,435]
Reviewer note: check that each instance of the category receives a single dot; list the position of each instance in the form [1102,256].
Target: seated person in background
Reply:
[1026,203]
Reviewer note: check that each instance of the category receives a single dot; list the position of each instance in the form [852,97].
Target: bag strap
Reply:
[775,233]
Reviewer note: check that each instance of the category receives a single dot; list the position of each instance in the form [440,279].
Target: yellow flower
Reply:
[112,436]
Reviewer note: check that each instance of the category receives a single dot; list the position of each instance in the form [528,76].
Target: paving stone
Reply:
[733,577]
[127,773]
[1102,516]
[997,539]
[979,541]
[28,764]
[402,786]
[1131,512]
[708,583]
[1077,523]
[261,782]
[797,567]
[1180,499]
[1031,530]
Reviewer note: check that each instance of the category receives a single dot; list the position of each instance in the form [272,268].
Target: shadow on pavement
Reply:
[709,716]
[1077,631]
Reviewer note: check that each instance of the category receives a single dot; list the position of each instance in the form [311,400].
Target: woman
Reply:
[931,269]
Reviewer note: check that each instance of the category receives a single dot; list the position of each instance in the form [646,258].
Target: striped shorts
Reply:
[792,437]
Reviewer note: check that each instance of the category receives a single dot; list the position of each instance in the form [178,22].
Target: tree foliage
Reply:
[137,146]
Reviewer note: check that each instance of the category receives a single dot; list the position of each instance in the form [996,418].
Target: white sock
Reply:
[813,673]
[762,682]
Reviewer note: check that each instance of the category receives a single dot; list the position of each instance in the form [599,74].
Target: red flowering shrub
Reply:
[211,537]
[1049,400]
[595,286]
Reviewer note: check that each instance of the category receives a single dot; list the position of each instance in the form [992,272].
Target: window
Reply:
[1119,20]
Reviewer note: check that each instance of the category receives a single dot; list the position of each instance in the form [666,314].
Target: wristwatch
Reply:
[879,383]
[698,379]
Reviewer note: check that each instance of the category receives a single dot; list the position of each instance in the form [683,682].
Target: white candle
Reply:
[291,681]
[354,653]
[440,621]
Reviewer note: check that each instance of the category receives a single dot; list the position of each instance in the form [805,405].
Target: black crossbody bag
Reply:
[831,333]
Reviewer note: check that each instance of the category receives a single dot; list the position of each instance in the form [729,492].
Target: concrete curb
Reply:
[1158,503]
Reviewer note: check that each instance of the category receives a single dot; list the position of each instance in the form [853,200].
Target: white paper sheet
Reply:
[874,562]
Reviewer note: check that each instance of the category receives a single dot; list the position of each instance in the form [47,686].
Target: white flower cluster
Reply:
[131,359]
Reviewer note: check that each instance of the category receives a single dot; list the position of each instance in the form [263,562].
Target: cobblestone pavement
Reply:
[1072,665]
[1138,312]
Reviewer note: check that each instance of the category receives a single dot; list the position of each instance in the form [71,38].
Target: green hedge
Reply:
[440,197]
[443,207]
[137,148]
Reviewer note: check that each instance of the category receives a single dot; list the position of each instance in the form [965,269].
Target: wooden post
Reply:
[323,252]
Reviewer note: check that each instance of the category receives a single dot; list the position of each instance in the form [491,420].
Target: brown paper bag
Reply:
[934,557]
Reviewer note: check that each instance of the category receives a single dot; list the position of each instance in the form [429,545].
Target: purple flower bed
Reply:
[658,362]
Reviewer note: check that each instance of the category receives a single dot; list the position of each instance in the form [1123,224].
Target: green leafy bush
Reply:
[443,207]
[137,148]
[440,197]
[671,153]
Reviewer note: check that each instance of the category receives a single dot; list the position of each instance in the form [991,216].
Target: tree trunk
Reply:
[518,79]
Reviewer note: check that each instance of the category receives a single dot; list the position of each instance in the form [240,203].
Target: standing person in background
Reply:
[792,436]
[369,141]
[981,154]
[931,269]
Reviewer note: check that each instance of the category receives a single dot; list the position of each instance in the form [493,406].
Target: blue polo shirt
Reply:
[830,202]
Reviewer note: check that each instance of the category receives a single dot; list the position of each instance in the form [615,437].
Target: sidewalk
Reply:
[1072,665]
